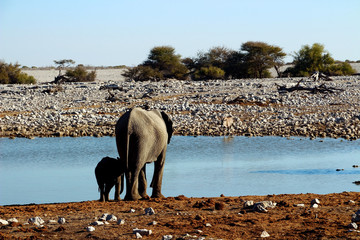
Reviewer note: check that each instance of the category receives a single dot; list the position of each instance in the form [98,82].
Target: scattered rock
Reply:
[36,221]
[103,217]
[143,232]
[153,223]
[315,203]
[248,204]
[111,218]
[97,223]
[264,234]
[121,221]
[138,235]
[61,220]
[132,210]
[353,225]
[356,216]
[262,206]
[219,206]
[149,211]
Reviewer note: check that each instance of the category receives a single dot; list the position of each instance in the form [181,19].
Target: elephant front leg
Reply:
[117,189]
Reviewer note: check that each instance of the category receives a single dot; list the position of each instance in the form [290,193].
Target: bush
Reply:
[143,73]
[210,72]
[79,74]
[11,74]
[340,69]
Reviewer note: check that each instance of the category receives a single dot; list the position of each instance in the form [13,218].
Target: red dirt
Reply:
[210,218]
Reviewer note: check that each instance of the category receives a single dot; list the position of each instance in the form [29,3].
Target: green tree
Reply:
[260,56]
[164,59]
[315,58]
[310,59]
[235,66]
[11,74]
[216,56]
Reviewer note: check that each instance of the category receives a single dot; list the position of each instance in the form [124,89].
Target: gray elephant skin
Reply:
[109,172]
[142,137]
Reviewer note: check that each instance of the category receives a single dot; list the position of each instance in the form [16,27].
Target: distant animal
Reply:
[109,172]
[142,137]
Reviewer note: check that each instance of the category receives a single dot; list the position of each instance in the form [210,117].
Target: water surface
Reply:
[46,170]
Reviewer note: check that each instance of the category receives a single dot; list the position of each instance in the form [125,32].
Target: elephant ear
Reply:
[169,125]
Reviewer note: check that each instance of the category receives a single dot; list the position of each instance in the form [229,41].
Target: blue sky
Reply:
[109,32]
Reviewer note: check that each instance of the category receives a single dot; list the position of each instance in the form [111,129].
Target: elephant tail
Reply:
[122,183]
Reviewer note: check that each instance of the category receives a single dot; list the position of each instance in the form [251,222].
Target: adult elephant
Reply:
[142,137]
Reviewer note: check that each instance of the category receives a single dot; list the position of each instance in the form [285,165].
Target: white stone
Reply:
[4,222]
[167,237]
[265,234]
[132,210]
[315,205]
[300,205]
[138,235]
[90,229]
[12,220]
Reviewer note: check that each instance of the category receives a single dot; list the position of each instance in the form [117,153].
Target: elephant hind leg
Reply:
[132,191]
[143,183]
[158,174]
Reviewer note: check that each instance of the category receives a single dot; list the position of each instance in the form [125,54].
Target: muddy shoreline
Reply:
[294,216]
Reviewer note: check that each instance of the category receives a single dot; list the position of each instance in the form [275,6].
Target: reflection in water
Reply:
[62,169]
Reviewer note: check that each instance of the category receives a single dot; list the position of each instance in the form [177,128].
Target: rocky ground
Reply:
[253,107]
[302,216]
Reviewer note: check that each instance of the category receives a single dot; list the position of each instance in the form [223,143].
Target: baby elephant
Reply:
[109,172]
